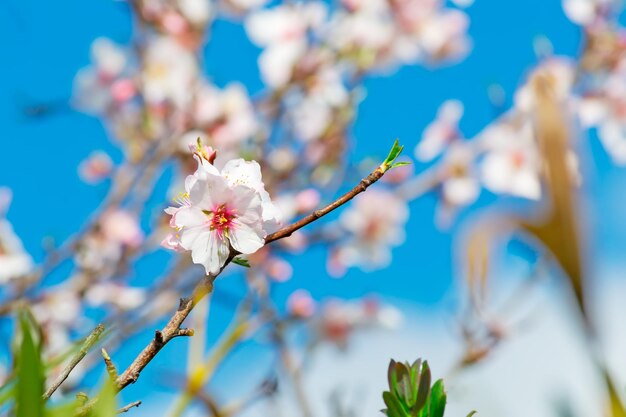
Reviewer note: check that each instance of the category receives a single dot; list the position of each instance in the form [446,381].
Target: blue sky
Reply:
[44,43]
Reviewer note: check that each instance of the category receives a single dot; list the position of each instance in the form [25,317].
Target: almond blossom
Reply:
[283,30]
[14,260]
[106,82]
[376,223]
[512,164]
[220,209]
[440,132]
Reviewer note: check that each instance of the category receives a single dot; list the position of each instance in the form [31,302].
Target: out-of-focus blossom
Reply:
[511,165]
[219,210]
[168,73]
[441,132]
[121,227]
[301,304]
[293,204]
[282,31]
[101,249]
[14,260]
[559,72]
[375,222]
[105,83]
[95,168]
[606,110]
[338,319]
[197,12]
[459,183]
[385,34]
[586,12]
[119,295]
[313,110]
[226,116]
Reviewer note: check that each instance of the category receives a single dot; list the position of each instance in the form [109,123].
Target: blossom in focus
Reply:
[14,260]
[219,210]
[375,223]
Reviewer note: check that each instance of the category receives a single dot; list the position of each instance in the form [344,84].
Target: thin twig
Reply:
[87,345]
[128,407]
[362,186]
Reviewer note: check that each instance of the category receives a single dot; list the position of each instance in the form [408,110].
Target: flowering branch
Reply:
[173,328]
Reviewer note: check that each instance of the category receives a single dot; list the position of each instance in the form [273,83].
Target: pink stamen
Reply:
[222,219]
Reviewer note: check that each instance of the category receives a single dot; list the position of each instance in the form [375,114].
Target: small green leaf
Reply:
[437,399]
[30,381]
[424,387]
[399,164]
[471,413]
[395,151]
[242,262]
[392,378]
[394,408]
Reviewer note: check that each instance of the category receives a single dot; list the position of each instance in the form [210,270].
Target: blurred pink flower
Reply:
[375,223]
[301,304]
[121,227]
[96,167]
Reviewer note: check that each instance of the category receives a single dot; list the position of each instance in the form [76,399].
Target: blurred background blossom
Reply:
[481,256]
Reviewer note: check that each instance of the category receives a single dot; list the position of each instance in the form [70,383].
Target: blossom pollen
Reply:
[221,218]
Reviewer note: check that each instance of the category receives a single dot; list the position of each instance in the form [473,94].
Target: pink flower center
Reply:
[221,219]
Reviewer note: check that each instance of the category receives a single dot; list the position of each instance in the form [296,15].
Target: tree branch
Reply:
[173,328]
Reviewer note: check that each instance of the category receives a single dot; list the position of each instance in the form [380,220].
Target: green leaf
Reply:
[399,164]
[471,413]
[30,374]
[394,408]
[437,399]
[415,377]
[405,391]
[395,151]
[392,378]
[242,262]
[423,388]
[106,404]
[7,393]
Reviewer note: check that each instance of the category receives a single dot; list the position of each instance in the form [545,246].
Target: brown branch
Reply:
[173,328]
[362,186]
[87,345]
